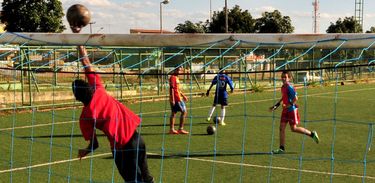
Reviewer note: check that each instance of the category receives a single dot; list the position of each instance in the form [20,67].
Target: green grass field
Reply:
[42,146]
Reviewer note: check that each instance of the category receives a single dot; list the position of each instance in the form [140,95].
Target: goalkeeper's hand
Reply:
[208,93]
[274,107]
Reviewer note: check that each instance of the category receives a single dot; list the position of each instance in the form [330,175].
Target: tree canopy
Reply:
[238,21]
[348,25]
[32,16]
[372,30]
[190,27]
[274,22]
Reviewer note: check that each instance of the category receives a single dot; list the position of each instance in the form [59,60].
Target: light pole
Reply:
[91,26]
[226,16]
[210,11]
[161,14]
[101,28]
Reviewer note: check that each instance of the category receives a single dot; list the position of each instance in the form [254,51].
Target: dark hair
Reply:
[221,70]
[175,71]
[82,91]
[288,73]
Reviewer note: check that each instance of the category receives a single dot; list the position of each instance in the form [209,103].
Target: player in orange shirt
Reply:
[176,99]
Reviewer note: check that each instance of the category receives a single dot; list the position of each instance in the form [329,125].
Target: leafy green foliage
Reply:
[190,27]
[239,21]
[32,16]
[274,22]
[347,25]
[372,30]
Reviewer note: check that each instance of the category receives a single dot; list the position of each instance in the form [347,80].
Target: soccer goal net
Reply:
[332,74]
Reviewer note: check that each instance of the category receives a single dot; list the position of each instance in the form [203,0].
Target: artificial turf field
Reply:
[42,146]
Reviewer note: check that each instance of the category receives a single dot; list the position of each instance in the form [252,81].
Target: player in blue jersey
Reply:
[221,81]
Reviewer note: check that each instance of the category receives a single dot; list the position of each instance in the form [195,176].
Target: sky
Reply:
[119,16]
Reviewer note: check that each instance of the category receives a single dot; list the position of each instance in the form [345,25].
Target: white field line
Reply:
[40,125]
[51,163]
[283,168]
[158,112]
[195,159]
[346,98]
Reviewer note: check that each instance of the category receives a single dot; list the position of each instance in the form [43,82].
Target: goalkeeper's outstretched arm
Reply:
[85,59]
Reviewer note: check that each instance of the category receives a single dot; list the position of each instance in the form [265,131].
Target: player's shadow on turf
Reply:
[173,156]
[57,136]
[153,125]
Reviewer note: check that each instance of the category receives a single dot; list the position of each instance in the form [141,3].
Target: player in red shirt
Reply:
[177,104]
[290,113]
[102,111]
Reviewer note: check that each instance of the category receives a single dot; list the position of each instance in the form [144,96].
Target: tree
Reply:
[372,30]
[190,27]
[274,22]
[238,21]
[32,15]
[348,25]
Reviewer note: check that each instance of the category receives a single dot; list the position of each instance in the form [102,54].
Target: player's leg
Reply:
[295,120]
[282,135]
[142,159]
[172,120]
[222,115]
[126,163]
[283,123]
[210,112]
[224,103]
[301,130]
[182,117]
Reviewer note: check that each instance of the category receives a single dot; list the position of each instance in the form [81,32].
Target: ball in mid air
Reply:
[78,15]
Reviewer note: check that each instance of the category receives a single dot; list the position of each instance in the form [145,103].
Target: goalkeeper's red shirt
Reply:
[108,115]
[174,84]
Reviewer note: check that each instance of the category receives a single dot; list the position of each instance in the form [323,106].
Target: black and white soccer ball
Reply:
[211,129]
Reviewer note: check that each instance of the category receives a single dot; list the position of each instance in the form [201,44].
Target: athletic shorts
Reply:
[291,117]
[179,106]
[220,100]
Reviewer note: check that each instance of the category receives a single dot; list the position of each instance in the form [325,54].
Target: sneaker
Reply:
[173,132]
[208,119]
[182,131]
[222,124]
[315,136]
[278,151]
[149,179]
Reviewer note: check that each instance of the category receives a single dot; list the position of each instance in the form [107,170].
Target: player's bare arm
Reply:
[93,145]
[274,107]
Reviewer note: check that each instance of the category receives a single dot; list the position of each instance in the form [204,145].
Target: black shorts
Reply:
[179,107]
[220,100]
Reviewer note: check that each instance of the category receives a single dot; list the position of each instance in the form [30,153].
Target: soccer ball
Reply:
[78,15]
[211,129]
[217,119]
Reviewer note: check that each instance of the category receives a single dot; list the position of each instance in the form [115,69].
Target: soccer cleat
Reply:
[208,119]
[315,136]
[278,151]
[173,132]
[222,124]
[182,131]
